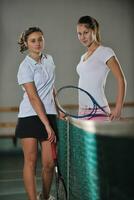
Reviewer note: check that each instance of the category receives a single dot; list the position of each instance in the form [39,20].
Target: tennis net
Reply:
[96,159]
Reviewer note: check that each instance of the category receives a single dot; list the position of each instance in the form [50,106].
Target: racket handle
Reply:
[54,153]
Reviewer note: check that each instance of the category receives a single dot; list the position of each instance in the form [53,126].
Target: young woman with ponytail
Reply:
[94,66]
[37,112]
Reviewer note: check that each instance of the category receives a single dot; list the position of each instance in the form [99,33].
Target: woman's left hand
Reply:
[115,114]
[51,134]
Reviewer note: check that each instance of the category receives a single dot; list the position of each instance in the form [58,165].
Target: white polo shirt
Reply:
[93,73]
[43,75]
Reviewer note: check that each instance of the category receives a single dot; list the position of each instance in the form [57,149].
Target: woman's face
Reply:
[85,35]
[35,42]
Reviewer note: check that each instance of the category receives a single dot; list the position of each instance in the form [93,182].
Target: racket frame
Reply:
[58,175]
[90,115]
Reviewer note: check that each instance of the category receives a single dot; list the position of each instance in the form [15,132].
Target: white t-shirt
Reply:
[93,73]
[42,74]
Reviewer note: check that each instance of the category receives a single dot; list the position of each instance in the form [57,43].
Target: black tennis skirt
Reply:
[32,127]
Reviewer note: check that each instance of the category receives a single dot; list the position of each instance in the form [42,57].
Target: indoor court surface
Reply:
[11,184]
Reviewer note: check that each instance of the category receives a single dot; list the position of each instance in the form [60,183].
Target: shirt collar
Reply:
[34,62]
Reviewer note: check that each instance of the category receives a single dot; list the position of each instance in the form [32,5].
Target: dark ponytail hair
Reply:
[91,23]
[24,36]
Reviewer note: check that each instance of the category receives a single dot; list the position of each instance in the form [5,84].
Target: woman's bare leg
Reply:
[29,171]
[48,168]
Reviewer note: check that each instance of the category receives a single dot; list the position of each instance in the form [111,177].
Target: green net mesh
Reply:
[62,148]
[100,167]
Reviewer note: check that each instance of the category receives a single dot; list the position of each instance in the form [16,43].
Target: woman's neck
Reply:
[91,50]
[93,46]
[36,56]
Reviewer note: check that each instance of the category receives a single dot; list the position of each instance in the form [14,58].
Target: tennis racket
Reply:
[78,103]
[61,192]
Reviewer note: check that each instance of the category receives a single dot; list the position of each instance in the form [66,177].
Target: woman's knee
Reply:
[30,149]
[30,160]
[48,166]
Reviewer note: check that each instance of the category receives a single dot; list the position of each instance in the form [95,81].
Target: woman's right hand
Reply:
[61,115]
[51,134]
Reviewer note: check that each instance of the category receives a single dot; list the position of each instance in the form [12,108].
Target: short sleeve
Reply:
[25,74]
[51,59]
[107,54]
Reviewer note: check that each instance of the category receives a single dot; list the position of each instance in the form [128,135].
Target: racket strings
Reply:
[90,112]
[78,103]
